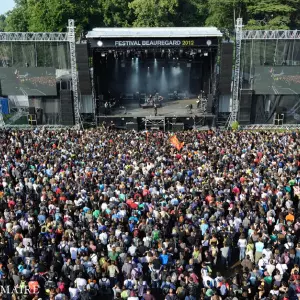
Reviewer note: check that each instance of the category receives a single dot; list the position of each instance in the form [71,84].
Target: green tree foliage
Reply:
[154,13]
[2,22]
[53,15]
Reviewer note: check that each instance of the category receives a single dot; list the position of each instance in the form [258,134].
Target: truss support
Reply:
[34,37]
[72,42]
[236,79]
[271,34]
[271,127]
[155,121]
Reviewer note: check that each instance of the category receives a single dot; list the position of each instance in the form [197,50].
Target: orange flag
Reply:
[174,141]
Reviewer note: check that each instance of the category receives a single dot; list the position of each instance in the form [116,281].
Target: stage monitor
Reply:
[279,80]
[28,81]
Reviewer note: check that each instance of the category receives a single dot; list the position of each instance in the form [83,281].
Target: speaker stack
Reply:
[178,127]
[66,107]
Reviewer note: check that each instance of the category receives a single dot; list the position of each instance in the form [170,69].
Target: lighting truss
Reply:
[270,34]
[34,37]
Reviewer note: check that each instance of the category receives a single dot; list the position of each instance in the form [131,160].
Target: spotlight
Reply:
[208,43]
[100,43]
[103,54]
[206,54]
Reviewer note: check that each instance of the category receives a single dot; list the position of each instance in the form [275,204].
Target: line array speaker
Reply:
[83,69]
[66,107]
[226,68]
[245,107]
[210,104]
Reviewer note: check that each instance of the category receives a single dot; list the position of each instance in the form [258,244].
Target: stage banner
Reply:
[144,43]
[4,106]
[175,142]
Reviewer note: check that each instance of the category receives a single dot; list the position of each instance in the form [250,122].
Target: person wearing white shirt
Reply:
[268,253]
[242,244]
[132,250]
[103,238]
[80,283]
[270,267]
[281,267]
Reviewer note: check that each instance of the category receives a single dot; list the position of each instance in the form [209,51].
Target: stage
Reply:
[170,108]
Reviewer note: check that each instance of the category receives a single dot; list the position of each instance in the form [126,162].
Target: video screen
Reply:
[279,80]
[28,81]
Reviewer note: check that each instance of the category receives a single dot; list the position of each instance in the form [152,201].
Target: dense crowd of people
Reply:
[105,214]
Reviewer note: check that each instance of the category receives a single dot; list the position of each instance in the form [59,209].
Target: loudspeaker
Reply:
[39,116]
[66,107]
[178,127]
[226,68]
[210,104]
[132,126]
[31,110]
[245,107]
[83,69]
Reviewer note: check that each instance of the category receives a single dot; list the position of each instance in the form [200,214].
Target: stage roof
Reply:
[154,32]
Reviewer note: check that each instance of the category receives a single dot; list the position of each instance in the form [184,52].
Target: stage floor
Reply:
[169,108]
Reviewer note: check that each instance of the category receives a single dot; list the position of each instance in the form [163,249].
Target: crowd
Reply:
[105,214]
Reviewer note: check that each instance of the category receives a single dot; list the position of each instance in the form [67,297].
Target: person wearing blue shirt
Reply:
[204,226]
[164,258]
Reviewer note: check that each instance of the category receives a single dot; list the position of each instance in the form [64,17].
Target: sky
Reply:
[6,5]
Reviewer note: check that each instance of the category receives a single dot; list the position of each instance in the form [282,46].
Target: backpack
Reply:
[166,289]
[193,289]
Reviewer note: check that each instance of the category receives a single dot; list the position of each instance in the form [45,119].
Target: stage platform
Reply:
[170,108]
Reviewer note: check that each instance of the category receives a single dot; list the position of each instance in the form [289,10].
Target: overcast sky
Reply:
[6,5]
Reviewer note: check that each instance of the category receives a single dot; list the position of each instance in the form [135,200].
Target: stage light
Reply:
[199,51]
[100,43]
[103,54]
[206,54]
[208,43]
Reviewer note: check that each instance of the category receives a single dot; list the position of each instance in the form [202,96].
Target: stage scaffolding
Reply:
[41,49]
[255,50]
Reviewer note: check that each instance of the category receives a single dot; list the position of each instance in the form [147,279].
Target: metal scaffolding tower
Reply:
[72,42]
[236,79]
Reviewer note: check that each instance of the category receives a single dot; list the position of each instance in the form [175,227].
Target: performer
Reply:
[198,101]
[155,110]
[106,105]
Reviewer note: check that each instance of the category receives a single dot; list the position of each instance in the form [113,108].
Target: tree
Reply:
[154,13]
[2,22]
[116,13]
[223,14]
[191,13]
[271,14]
